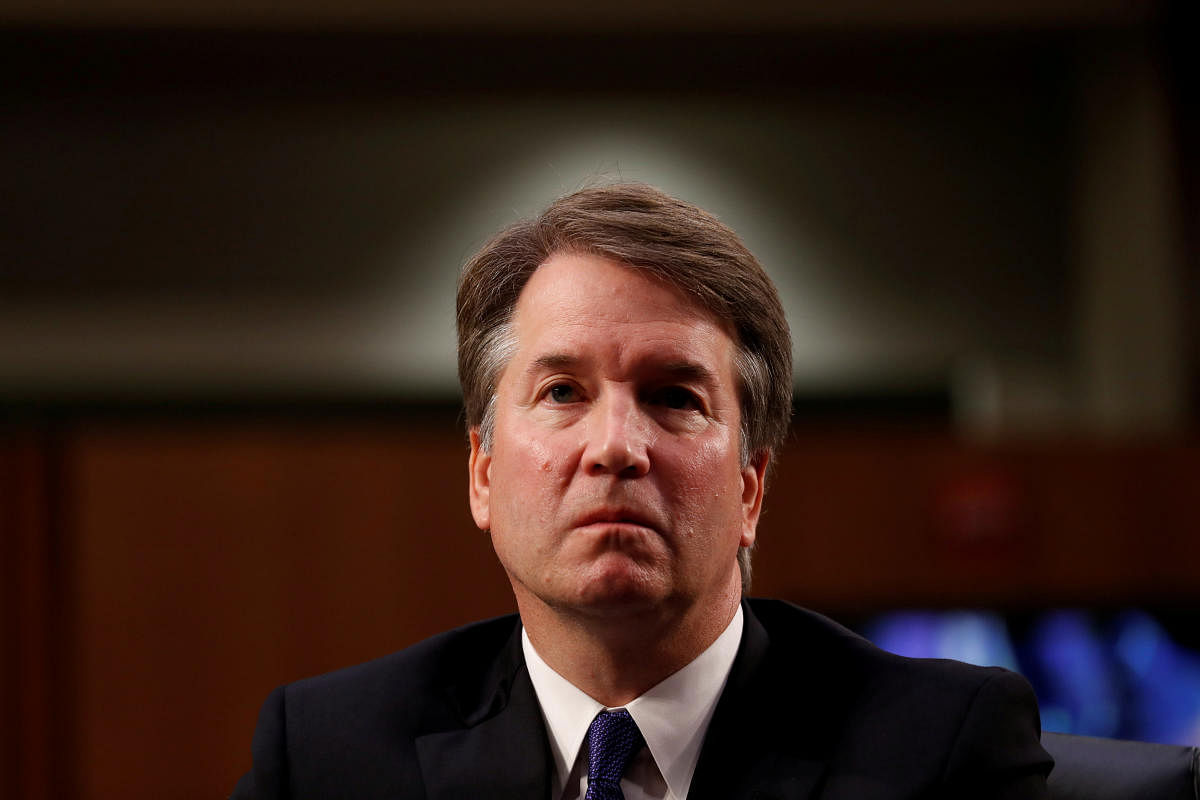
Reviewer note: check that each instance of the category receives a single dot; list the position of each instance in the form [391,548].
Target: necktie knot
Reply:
[612,739]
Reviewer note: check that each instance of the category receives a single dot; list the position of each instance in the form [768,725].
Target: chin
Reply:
[622,591]
[612,585]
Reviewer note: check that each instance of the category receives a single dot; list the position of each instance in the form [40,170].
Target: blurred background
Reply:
[231,455]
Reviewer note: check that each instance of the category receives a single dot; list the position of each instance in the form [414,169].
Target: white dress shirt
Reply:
[673,717]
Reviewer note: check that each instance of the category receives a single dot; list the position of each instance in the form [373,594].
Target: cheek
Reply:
[539,457]
[523,455]
[529,473]
[714,463]
[707,479]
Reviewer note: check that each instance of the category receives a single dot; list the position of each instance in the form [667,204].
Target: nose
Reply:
[618,437]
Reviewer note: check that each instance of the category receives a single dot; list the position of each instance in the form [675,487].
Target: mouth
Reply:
[616,517]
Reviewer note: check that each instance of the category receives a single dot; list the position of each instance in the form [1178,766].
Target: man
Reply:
[626,370]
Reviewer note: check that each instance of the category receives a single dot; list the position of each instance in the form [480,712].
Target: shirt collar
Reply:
[673,715]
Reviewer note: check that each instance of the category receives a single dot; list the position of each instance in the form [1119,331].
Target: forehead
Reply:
[576,299]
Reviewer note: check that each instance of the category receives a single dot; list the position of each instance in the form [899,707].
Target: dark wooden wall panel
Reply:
[213,564]
[32,724]
[858,522]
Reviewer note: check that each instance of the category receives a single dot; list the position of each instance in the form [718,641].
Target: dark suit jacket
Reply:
[810,711]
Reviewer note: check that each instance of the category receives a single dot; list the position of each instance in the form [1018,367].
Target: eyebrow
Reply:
[688,371]
[682,369]
[552,362]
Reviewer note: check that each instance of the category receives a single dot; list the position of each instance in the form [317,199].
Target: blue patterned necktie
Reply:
[612,739]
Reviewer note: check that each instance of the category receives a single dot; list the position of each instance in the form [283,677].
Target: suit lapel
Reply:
[753,748]
[502,744]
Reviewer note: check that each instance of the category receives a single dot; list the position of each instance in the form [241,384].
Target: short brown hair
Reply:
[643,228]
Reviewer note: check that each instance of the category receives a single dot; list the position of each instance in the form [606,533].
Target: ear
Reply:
[753,485]
[480,487]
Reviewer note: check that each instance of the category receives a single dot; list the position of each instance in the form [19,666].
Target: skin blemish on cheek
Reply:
[541,456]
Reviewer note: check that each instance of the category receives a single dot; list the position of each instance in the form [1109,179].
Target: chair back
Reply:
[1089,768]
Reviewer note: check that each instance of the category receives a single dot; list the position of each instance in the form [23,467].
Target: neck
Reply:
[616,657]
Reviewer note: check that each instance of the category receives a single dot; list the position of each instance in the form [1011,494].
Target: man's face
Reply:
[614,480]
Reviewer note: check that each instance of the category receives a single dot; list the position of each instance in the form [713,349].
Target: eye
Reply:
[562,393]
[678,398]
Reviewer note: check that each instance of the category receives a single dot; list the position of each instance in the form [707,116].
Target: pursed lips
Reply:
[617,516]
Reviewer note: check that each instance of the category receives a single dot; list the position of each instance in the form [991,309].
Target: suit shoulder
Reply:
[972,731]
[353,732]
[414,672]
[801,635]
